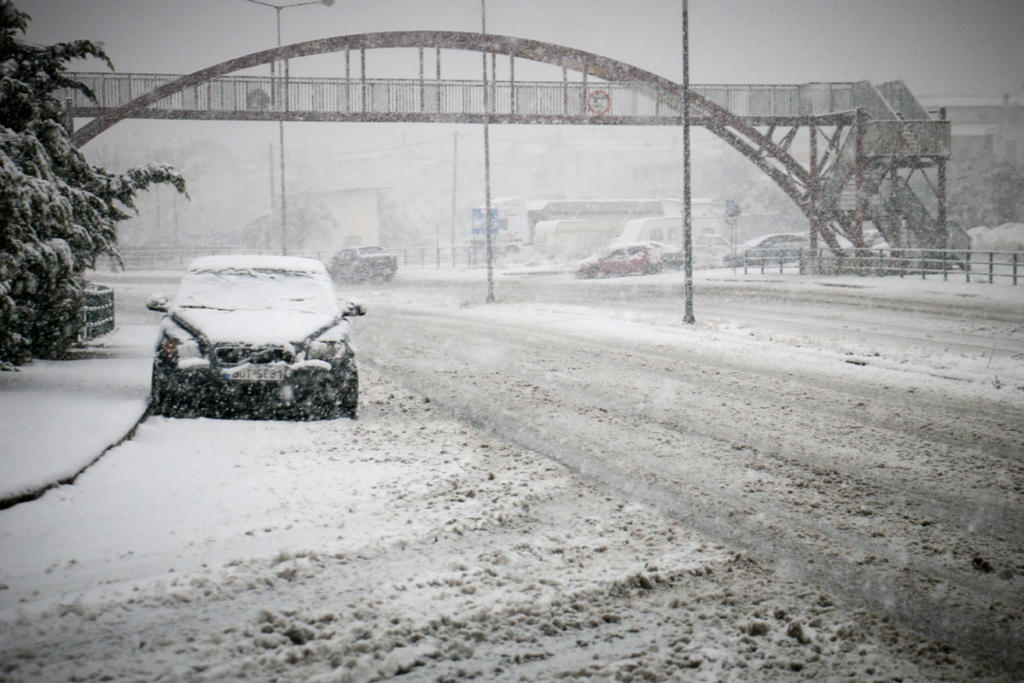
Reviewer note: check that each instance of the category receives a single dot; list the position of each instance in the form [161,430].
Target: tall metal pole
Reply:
[858,216]
[812,195]
[487,157]
[455,178]
[280,136]
[280,120]
[941,190]
[687,214]
[266,227]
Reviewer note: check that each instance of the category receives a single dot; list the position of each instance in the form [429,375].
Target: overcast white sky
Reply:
[938,47]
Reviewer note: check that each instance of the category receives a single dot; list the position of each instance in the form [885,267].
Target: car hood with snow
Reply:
[254,328]
[256,301]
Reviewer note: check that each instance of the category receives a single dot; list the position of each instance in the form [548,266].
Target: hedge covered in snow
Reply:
[57,211]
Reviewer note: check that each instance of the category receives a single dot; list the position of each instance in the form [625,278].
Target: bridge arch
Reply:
[771,157]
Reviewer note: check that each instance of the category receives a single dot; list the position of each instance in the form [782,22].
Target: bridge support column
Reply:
[437,65]
[423,94]
[941,191]
[512,84]
[858,221]
[812,199]
[348,79]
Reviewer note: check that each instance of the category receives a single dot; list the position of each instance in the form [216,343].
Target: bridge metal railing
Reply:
[245,95]
[907,138]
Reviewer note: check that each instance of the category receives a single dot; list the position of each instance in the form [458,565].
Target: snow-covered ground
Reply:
[59,415]
[1006,237]
[822,478]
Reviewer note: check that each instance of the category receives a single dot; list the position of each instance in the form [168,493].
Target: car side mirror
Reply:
[157,302]
[353,309]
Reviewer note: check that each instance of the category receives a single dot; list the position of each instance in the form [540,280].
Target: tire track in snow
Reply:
[554,427]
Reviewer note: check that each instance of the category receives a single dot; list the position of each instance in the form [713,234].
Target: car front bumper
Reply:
[312,389]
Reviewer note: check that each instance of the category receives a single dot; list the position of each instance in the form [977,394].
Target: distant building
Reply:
[984,126]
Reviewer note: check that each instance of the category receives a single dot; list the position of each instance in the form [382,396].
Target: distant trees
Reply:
[984,191]
[57,212]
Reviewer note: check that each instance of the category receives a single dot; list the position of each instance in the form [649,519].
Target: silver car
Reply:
[255,336]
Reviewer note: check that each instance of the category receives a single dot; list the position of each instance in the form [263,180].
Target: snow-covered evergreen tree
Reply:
[57,211]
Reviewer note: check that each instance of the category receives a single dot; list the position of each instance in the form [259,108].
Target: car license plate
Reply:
[258,373]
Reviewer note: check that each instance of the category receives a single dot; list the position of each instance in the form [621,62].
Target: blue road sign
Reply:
[478,221]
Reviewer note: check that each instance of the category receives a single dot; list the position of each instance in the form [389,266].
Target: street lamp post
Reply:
[280,120]
[487,158]
[687,215]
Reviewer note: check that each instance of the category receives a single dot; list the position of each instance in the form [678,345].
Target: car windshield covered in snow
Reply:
[235,288]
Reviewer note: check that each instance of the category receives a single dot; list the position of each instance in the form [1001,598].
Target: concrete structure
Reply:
[985,126]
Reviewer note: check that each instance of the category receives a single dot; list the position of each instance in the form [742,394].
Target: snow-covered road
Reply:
[883,462]
[813,481]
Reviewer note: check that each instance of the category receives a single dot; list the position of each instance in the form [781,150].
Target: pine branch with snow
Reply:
[58,212]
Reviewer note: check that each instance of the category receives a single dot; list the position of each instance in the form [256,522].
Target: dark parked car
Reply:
[627,259]
[362,264]
[780,247]
[255,336]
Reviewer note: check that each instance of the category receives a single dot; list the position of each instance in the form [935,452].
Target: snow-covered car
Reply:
[770,249]
[625,259]
[361,264]
[260,336]
[671,255]
[874,239]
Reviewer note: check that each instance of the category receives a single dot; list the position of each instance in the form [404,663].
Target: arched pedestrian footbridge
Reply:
[867,143]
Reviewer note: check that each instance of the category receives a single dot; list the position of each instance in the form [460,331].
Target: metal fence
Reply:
[439,256]
[972,266]
[98,312]
[177,259]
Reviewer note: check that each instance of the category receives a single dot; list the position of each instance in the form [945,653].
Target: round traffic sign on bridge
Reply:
[599,102]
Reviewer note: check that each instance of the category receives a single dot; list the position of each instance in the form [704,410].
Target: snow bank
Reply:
[60,415]
[1006,237]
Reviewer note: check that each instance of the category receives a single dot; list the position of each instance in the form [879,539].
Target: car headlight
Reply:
[179,349]
[325,350]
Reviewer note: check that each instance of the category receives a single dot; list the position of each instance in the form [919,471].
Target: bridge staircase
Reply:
[891,139]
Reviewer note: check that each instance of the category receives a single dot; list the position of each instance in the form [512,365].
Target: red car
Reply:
[624,259]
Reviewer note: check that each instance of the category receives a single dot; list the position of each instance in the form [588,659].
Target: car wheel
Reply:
[349,399]
[342,398]
[343,402]
[162,400]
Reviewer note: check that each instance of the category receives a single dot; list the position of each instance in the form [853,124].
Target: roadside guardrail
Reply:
[973,266]
[176,259]
[99,312]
